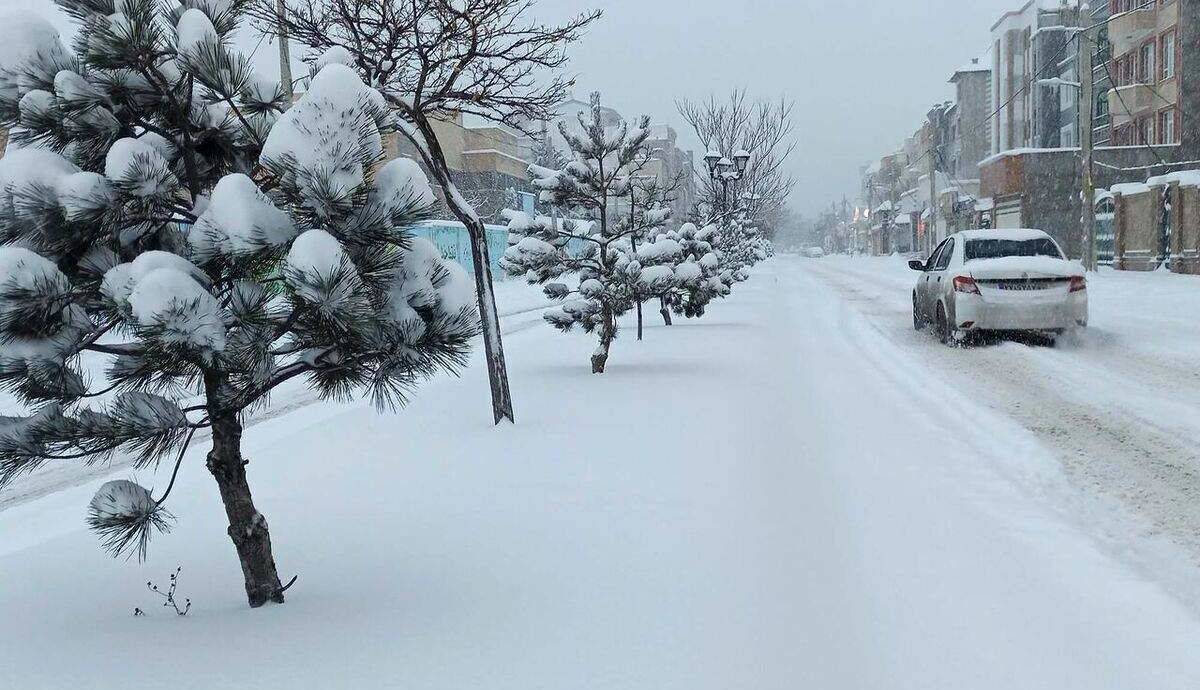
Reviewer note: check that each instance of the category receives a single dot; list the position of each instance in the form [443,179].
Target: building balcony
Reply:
[1129,31]
[1127,103]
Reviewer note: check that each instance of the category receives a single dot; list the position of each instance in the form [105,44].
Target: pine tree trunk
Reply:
[247,527]
[665,310]
[639,317]
[607,333]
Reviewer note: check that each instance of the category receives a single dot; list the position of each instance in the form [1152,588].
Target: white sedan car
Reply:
[999,280]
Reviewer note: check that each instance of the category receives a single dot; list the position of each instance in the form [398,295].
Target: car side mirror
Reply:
[916,265]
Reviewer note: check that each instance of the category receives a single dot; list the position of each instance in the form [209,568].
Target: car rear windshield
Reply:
[995,249]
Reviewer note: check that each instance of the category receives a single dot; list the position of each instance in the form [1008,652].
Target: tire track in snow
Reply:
[1076,400]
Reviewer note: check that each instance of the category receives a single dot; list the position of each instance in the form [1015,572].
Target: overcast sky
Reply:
[862,72]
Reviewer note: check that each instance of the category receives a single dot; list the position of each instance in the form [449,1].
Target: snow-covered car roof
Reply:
[1004,234]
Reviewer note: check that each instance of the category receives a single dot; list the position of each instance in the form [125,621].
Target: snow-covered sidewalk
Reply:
[761,499]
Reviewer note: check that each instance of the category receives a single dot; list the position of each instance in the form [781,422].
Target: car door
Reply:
[925,290]
[939,276]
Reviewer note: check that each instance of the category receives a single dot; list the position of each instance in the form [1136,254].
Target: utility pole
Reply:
[932,225]
[1087,88]
[285,57]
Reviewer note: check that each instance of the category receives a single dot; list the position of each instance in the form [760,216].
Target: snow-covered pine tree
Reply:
[740,246]
[697,269]
[492,59]
[649,211]
[592,186]
[175,245]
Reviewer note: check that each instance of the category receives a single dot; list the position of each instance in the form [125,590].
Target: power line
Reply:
[1076,31]
[1125,107]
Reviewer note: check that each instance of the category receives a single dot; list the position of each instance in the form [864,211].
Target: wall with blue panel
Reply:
[452,241]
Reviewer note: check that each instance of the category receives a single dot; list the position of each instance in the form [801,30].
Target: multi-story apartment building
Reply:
[1028,45]
[971,130]
[1101,119]
[670,164]
[1147,55]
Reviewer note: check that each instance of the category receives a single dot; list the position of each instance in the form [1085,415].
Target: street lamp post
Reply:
[726,171]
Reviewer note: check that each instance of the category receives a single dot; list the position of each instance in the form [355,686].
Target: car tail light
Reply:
[1078,283]
[966,284]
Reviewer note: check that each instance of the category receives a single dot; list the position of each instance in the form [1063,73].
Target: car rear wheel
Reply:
[943,327]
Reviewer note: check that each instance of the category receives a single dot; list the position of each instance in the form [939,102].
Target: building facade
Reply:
[1029,45]
[1147,57]
[488,163]
[971,130]
[671,165]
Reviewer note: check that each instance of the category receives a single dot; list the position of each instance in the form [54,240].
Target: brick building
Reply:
[1147,55]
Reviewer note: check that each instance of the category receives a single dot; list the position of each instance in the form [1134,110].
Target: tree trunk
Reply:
[607,333]
[247,527]
[424,137]
[493,346]
[665,310]
[639,315]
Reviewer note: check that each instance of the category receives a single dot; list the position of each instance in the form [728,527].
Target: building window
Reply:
[1168,55]
[1066,137]
[1146,71]
[1145,131]
[1167,126]
[1102,105]
[1125,70]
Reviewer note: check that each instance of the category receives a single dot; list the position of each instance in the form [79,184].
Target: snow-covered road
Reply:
[795,492]
[1118,406]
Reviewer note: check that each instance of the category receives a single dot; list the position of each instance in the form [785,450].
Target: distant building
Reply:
[1030,44]
[488,163]
[971,129]
[670,164]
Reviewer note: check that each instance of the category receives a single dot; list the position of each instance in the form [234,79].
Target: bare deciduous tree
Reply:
[431,58]
[764,129]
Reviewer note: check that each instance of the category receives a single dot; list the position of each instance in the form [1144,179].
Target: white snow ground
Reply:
[786,494]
